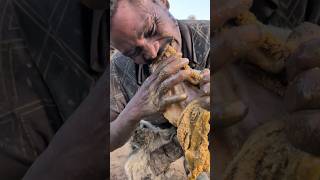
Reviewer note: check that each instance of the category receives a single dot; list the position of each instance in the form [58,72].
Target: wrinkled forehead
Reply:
[127,24]
[126,19]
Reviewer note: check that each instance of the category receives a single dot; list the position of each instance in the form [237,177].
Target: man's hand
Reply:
[205,88]
[151,97]
[238,35]
[225,10]
[303,97]
[205,82]
[231,42]
[234,43]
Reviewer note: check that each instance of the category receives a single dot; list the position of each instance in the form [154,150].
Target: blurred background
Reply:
[190,9]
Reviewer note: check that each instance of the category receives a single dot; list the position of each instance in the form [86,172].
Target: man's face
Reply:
[140,29]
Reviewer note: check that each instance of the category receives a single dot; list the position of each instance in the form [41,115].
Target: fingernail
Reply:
[184,96]
[205,71]
[185,60]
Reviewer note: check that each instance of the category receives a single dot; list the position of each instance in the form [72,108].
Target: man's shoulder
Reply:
[119,63]
[122,66]
[195,22]
[118,59]
[198,31]
[286,13]
[198,26]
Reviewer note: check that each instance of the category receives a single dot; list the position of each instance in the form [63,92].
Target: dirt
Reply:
[117,161]
[119,157]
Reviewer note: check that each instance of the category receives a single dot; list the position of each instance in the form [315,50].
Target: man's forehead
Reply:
[129,21]
[128,26]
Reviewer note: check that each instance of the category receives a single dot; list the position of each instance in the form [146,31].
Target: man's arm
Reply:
[79,148]
[122,127]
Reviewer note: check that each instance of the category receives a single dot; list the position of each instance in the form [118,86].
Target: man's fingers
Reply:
[173,80]
[176,65]
[206,88]
[171,68]
[172,99]
[303,93]
[302,129]
[205,81]
[205,74]
[205,102]
[228,113]
[306,57]
[262,60]
[224,10]
[163,64]
[234,43]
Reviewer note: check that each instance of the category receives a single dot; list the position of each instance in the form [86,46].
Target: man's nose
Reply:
[151,49]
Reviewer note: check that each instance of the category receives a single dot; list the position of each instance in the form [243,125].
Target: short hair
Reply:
[114,3]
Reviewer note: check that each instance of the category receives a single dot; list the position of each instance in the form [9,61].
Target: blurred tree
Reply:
[191,17]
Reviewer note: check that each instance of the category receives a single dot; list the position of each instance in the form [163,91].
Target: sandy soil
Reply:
[117,160]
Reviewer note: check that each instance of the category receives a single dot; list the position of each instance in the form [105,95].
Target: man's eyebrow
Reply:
[144,27]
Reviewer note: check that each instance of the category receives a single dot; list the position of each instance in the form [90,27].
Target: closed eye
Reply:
[152,31]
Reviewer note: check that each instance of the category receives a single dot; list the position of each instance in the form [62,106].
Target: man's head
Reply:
[140,28]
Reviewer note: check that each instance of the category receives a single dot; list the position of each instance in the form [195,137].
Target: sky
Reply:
[181,9]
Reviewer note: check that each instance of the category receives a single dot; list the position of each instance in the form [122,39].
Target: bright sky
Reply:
[181,9]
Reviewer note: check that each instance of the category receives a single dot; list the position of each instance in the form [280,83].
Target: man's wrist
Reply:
[133,112]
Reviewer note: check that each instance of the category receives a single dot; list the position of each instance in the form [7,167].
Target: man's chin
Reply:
[140,62]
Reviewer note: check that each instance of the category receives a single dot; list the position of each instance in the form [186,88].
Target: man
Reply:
[140,30]
[50,73]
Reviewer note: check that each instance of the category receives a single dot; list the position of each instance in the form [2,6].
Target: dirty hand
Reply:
[303,97]
[204,100]
[232,42]
[151,97]
[225,10]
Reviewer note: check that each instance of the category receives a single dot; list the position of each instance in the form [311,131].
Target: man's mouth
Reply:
[167,41]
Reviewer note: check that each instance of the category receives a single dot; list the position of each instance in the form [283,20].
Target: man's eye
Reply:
[151,32]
